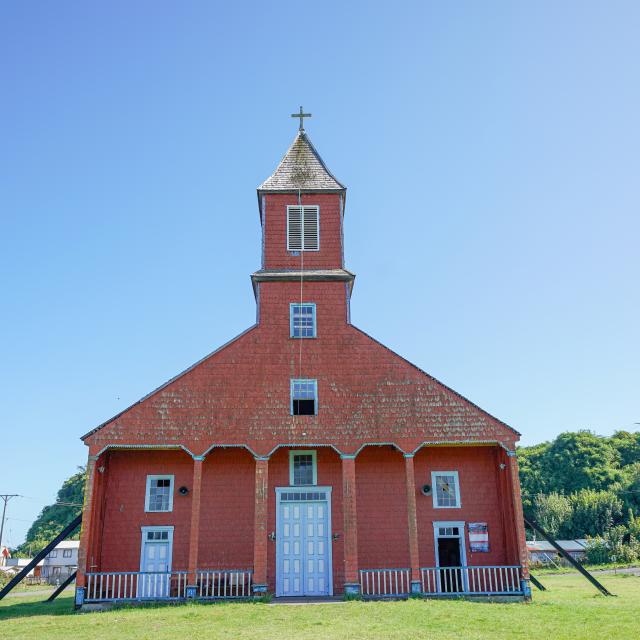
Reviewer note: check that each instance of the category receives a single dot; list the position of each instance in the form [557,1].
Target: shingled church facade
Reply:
[303,457]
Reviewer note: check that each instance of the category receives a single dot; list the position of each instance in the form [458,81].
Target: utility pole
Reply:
[5,497]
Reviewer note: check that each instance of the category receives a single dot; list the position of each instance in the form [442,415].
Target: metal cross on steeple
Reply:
[301,115]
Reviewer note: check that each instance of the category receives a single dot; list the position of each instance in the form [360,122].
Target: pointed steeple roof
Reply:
[301,168]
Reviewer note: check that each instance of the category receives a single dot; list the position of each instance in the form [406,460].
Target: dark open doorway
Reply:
[450,561]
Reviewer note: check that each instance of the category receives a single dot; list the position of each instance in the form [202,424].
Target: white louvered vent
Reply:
[303,229]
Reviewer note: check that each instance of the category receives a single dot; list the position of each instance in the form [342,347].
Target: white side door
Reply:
[155,562]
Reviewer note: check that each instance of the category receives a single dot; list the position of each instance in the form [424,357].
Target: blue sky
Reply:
[491,155]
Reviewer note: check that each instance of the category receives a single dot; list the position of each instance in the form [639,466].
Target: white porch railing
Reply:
[135,585]
[385,582]
[491,580]
[216,583]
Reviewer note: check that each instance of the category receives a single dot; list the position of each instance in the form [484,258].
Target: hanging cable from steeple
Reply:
[301,278]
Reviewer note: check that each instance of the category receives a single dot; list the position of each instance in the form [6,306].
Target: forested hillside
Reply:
[584,485]
[55,517]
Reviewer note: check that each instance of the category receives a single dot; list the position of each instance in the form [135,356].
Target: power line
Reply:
[5,497]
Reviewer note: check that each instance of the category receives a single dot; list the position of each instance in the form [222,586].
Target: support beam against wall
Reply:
[69,579]
[194,535]
[537,583]
[412,523]
[350,525]
[260,547]
[67,531]
[567,556]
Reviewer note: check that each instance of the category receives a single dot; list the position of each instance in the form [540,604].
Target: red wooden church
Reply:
[303,457]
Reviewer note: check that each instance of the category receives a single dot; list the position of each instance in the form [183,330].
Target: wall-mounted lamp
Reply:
[503,466]
[335,536]
[183,491]
[272,536]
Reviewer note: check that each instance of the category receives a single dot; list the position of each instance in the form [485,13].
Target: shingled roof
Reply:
[301,168]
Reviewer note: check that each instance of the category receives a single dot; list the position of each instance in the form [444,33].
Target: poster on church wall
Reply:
[478,537]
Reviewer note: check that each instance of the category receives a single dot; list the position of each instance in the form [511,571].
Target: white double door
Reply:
[303,556]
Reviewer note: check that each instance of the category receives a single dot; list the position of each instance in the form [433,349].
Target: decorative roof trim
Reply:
[317,275]
[307,445]
[146,447]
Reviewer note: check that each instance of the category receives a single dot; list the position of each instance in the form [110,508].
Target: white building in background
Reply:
[61,561]
[543,552]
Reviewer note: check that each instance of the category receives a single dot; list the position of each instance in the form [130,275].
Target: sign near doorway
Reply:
[478,537]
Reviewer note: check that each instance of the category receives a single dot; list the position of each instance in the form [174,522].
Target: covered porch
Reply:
[367,521]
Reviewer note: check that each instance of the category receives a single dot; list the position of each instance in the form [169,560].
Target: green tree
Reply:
[553,513]
[628,446]
[594,513]
[533,473]
[628,488]
[55,517]
[581,460]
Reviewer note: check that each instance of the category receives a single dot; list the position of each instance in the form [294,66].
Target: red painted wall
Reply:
[478,470]
[126,477]
[381,501]
[228,499]
[274,223]
[227,510]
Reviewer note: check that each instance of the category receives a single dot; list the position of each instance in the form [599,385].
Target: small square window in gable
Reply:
[304,397]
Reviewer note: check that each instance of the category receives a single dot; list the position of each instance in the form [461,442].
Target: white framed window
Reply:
[303,468]
[159,494]
[66,553]
[304,397]
[303,228]
[302,320]
[53,554]
[445,489]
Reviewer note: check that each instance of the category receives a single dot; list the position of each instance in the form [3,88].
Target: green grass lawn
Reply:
[571,608]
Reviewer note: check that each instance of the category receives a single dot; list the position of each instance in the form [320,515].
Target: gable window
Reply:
[446,489]
[303,228]
[303,468]
[304,397]
[66,553]
[159,496]
[302,320]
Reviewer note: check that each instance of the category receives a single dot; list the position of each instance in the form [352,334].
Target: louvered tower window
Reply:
[303,228]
